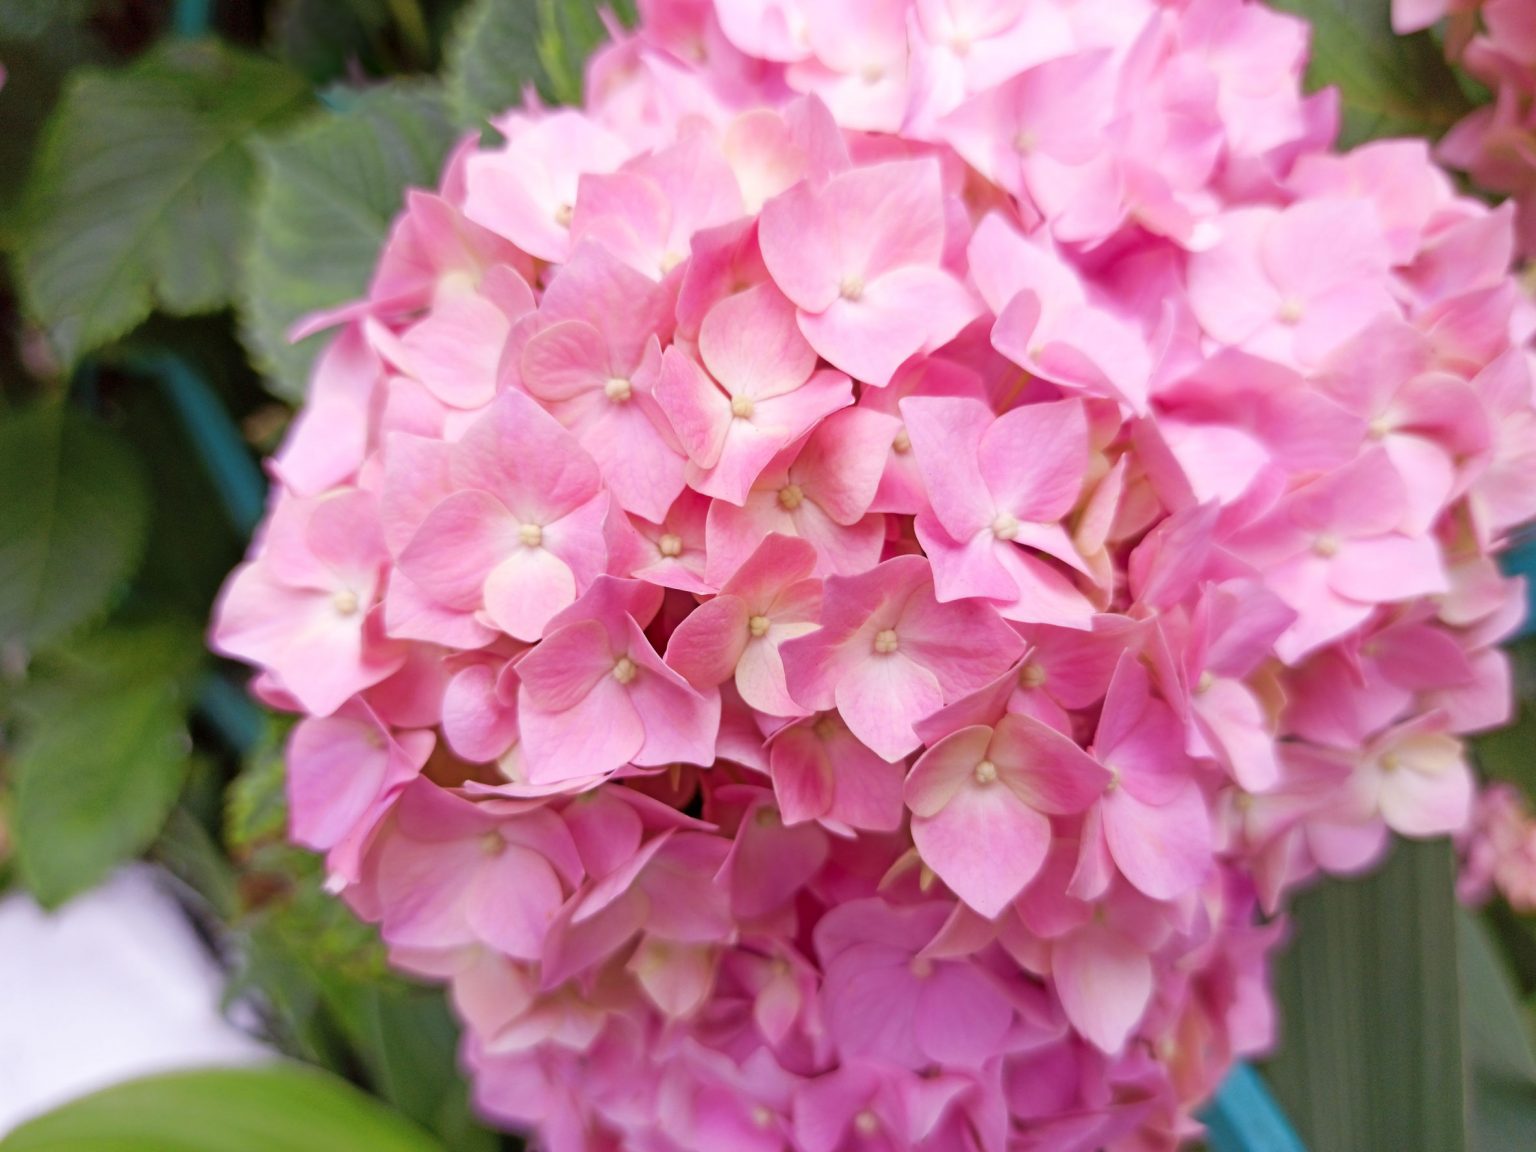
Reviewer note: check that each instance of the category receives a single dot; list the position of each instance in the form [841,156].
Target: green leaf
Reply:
[324,38]
[328,192]
[499,47]
[282,1108]
[1509,754]
[103,756]
[1370,1039]
[1389,85]
[1501,1071]
[35,72]
[139,194]
[31,19]
[73,518]
[407,1041]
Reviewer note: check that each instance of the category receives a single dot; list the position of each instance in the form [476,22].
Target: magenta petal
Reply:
[961,1016]
[985,843]
[802,774]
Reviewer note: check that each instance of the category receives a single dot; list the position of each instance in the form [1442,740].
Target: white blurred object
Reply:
[113,986]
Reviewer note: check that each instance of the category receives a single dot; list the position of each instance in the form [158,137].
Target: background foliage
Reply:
[179,183]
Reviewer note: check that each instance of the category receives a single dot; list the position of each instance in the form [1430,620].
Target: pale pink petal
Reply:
[985,843]
[881,697]
[1105,985]
[525,591]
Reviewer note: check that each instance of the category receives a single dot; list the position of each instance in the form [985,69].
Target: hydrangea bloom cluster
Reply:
[832,591]
[1495,41]
[1499,850]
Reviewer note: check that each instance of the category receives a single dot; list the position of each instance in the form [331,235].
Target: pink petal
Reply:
[458,545]
[598,733]
[985,843]
[680,723]
[1387,569]
[1163,850]
[1105,985]
[705,648]
[749,342]
[961,1017]
[699,412]
[525,591]
[881,697]
[900,313]
[512,901]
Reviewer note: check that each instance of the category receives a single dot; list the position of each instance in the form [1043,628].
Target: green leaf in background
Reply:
[280,1108]
[31,19]
[139,193]
[1509,754]
[36,68]
[325,38]
[501,46]
[73,517]
[1501,1072]
[1389,85]
[328,192]
[104,754]
[1370,1056]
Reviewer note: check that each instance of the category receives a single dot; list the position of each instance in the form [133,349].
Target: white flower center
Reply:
[670,544]
[986,772]
[852,287]
[866,1123]
[1031,676]
[618,389]
[531,535]
[742,407]
[791,497]
[901,444]
[345,602]
[886,641]
[1005,526]
[1326,545]
[758,625]
[624,671]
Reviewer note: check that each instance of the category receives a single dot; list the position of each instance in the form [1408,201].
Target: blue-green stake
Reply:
[1244,1117]
[192,18]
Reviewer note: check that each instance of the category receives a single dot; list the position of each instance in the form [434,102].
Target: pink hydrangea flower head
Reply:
[847,571]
